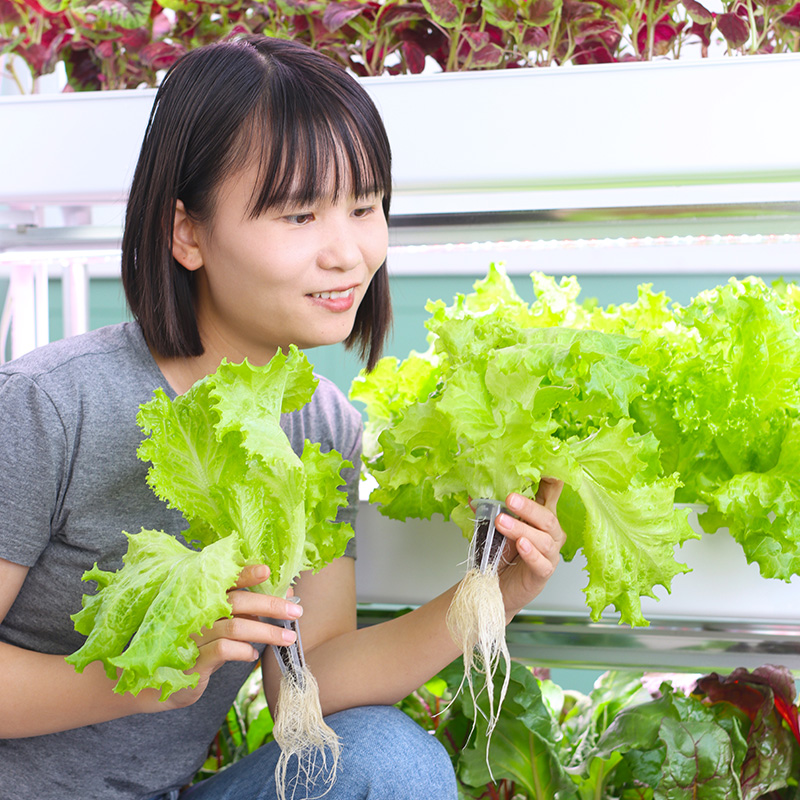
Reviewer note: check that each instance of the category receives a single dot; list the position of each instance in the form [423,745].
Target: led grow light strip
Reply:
[733,254]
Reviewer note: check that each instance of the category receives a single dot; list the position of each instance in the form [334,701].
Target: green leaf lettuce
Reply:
[219,455]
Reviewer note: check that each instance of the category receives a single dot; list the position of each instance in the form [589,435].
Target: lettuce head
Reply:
[219,455]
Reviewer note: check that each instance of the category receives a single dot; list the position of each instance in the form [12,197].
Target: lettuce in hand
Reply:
[499,402]
[218,455]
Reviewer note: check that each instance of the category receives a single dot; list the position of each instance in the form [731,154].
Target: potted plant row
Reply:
[120,45]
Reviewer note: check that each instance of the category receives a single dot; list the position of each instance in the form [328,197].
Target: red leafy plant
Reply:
[121,44]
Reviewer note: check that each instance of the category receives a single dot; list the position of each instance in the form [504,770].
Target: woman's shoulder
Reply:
[107,372]
[95,352]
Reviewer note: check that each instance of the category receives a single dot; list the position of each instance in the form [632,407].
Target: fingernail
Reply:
[293,610]
[262,572]
[514,502]
[255,655]
[524,546]
[289,637]
[503,520]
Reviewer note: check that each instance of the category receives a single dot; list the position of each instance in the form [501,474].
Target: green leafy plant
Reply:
[633,736]
[498,403]
[218,454]
[722,396]
[501,400]
[638,736]
[120,44]
[708,393]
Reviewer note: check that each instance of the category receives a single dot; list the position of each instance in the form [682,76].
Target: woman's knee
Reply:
[391,756]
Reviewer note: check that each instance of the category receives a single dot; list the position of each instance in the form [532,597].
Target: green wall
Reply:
[106,304]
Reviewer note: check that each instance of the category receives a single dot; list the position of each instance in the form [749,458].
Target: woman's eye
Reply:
[364,211]
[299,219]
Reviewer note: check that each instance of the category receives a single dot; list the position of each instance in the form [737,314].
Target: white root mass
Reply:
[476,620]
[302,733]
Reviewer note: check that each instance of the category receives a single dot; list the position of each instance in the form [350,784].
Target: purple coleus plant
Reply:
[116,44]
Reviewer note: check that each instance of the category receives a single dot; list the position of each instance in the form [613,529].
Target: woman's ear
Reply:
[185,247]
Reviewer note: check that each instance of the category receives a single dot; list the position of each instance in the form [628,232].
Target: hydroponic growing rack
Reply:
[621,173]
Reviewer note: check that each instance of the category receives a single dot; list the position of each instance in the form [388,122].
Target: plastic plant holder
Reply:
[290,657]
[487,545]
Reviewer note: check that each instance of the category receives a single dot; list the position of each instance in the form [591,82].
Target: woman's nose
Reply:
[340,248]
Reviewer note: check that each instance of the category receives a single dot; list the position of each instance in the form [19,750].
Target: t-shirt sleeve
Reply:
[33,455]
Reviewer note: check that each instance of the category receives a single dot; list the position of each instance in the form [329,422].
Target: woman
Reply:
[257,218]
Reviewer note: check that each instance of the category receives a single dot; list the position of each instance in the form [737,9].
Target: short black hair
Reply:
[276,103]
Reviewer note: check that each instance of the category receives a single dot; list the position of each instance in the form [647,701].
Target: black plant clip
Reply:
[290,657]
[488,544]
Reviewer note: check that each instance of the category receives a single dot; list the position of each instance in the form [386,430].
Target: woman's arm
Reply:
[383,663]
[41,693]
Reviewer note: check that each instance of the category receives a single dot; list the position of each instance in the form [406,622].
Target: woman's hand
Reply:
[534,543]
[232,638]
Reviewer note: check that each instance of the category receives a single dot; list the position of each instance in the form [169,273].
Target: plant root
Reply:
[301,732]
[476,620]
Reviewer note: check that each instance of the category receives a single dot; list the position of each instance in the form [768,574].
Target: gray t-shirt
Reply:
[71,483]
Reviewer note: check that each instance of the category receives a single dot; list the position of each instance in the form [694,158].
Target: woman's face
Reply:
[289,276]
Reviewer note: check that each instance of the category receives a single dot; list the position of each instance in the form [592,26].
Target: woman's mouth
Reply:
[334,295]
[338,300]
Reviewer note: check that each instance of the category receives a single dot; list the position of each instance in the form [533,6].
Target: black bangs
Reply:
[309,128]
[314,146]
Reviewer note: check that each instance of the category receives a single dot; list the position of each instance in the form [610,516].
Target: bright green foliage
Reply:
[498,403]
[696,404]
[524,744]
[633,736]
[219,456]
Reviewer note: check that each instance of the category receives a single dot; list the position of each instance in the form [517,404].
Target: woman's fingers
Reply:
[536,532]
[248,612]
[548,493]
[534,544]
[245,629]
[233,638]
[255,604]
[252,575]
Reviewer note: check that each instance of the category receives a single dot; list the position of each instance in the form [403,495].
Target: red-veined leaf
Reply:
[735,30]
[135,39]
[9,12]
[489,55]
[122,13]
[575,9]
[703,32]
[337,15]
[105,50]
[161,55]
[501,13]
[536,38]
[593,52]
[475,37]
[543,12]
[791,17]
[393,12]
[664,31]
[414,57]
[697,12]
[443,12]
